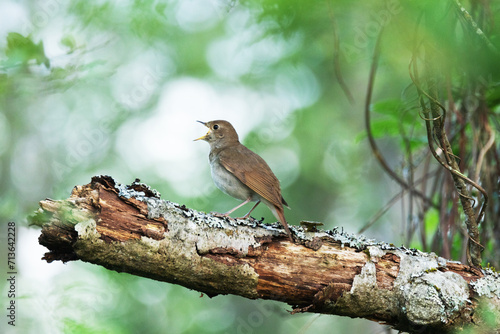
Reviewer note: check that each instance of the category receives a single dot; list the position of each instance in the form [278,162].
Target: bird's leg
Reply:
[248,214]
[226,214]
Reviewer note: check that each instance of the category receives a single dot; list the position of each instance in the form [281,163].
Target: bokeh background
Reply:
[116,87]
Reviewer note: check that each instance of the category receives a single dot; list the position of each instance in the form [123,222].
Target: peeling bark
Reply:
[130,229]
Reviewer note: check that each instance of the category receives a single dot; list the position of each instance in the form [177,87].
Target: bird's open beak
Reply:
[205,136]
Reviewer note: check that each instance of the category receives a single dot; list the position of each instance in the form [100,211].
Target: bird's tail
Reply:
[280,215]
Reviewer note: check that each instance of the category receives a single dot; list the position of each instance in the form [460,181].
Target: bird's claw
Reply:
[220,215]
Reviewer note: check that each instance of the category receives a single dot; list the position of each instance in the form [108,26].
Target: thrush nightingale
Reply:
[241,173]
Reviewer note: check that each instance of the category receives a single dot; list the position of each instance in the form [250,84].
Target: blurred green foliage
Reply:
[20,50]
[82,85]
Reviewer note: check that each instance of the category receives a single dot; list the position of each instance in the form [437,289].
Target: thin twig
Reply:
[394,200]
[430,139]
[437,128]
[371,139]
[471,25]
[484,150]
[336,58]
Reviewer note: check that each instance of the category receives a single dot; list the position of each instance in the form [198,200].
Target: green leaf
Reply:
[385,127]
[390,107]
[69,42]
[397,109]
[20,50]
[493,97]
[457,246]
[431,221]
[416,143]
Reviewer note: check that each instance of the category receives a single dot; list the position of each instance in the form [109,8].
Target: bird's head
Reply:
[219,133]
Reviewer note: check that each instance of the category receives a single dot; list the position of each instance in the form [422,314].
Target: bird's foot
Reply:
[220,215]
[245,217]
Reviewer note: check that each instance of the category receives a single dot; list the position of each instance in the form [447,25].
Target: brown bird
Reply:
[241,173]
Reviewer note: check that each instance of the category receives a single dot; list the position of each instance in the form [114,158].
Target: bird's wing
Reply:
[254,173]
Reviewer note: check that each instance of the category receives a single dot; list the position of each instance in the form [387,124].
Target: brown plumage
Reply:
[241,173]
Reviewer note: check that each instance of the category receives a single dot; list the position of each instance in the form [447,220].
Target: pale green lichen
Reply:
[376,252]
[488,285]
[424,295]
[87,229]
[366,280]
[428,295]
[422,305]
[153,244]
[449,291]
[209,231]
[414,264]
[126,192]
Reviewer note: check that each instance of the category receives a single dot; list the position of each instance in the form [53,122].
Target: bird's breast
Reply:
[230,184]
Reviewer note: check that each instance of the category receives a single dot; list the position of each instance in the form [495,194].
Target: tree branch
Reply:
[130,229]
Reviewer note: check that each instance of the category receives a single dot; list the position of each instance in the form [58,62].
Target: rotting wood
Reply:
[130,229]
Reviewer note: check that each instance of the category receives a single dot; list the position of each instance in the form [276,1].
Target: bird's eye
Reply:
[216,126]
